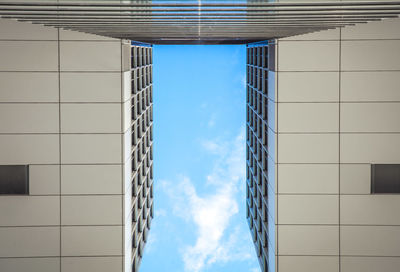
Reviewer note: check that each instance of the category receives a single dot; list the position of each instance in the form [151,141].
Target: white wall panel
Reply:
[14,30]
[29,210]
[29,149]
[308,263]
[370,86]
[90,56]
[369,209]
[308,178]
[308,87]
[308,209]
[93,210]
[91,241]
[324,35]
[370,55]
[90,148]
[91,264]
[28,87]
[90,87]
[29,241]
[308,55]
[355,178]
[41,56]
[370,240]
[308,148]
[91,179]
[386,29]
[308,117]
[370,117]
[68,35]
[91,118]
[30,264]
[308,240]
[29,118]
[44,179]
[370,148]
[370,264]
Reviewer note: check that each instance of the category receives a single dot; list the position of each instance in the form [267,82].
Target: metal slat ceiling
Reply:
[203,22]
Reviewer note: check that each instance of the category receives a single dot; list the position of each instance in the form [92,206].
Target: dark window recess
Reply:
[271,57]
[14,179]
[385,178]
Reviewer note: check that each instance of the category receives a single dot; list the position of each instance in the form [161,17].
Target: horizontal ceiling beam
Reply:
[197,15]
[205,18]
[202,11]
[196,4]
[186,20]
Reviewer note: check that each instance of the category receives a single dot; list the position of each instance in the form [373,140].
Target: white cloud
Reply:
[160,212]
[212,213]
[230,165]
[211,146]
[211,123]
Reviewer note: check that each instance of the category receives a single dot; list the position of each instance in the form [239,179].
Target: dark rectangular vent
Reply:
[385,178]
[14,179]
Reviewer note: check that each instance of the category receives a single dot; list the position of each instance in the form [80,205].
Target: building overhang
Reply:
[199,22]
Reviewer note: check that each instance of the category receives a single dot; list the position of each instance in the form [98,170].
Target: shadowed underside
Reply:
[198,22]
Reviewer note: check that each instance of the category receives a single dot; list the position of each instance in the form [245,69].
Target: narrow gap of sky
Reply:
[199,166]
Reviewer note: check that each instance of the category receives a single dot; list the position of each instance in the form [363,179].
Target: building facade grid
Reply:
[142,149]
[259,187]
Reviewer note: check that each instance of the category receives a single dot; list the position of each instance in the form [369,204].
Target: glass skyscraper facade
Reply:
[260,162]
[142,210]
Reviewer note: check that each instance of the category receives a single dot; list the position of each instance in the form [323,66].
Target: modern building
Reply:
[323,137]
[323,142]
[76,112]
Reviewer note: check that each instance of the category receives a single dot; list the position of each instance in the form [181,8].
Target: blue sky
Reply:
[199,166]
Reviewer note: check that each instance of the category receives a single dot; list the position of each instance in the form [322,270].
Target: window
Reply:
[134,188]
[14,179]
[385,178]
[133,162]
[134,240]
